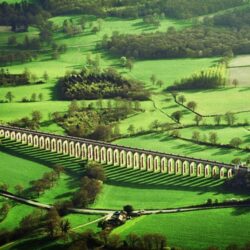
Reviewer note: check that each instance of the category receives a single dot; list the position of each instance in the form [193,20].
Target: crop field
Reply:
[195,230]
[239,69]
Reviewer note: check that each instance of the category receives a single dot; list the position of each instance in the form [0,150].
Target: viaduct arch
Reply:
[120,156]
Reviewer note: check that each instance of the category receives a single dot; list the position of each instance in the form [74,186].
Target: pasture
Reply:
[213,102]
[162,142]
[195,230]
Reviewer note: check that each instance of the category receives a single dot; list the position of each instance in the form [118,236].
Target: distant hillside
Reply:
[129,8]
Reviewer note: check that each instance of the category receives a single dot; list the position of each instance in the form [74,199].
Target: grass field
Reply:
[211,102]
[195,230]
[164,143]
[225,134]
[16,170]
[239,68]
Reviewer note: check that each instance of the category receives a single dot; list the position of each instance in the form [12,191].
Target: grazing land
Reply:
[204,227]
[82,33]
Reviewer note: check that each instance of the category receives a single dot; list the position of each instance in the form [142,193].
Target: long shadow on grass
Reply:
[43,243]
[74,168]
[147,180]
[117,176]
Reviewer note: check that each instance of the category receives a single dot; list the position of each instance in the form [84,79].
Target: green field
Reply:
[162,142]
[212,102]
[20,164]
[239,68]
[195,230]
[16,170]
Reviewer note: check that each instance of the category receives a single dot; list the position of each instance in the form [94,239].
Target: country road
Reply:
[106,212]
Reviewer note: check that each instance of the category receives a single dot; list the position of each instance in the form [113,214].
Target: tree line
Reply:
[7,79]
[21,15]
[172,8]
[195,42]
[206,79]
[236,18]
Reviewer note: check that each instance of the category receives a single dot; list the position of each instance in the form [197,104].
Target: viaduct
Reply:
[120,156]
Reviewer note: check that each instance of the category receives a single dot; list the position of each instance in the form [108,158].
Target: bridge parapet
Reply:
[108,153]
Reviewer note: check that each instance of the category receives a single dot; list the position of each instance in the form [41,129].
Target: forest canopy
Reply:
[192,42]
[93,84]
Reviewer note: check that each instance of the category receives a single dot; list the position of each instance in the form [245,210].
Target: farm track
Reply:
[107,212]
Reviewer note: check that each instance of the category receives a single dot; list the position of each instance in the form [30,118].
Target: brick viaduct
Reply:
[117,155]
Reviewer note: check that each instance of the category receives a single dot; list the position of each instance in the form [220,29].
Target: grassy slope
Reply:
[16,170]
[195,230]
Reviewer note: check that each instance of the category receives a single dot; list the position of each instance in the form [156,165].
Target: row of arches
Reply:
[118,157]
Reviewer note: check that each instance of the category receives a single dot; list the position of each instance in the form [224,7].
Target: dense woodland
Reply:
[210,79]
[193,42]
[93,84]
[129,8]
[21,15]
[236,18]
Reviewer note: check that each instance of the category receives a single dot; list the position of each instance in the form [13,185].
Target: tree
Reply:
[40,97]
[196,136]
[182,99]
[154,241]
[102,133]
[129,209]
[198,119]
[9,96]
[217,119]
[4,209]
[99,104]
[4,187]
[33,77]
[159,83]
[12,41]
[235,83]
[58,169]
[80,198]
[19,189]
[230,118]
[36,116]
[95,170]
[176,133]
[235,142]
[33,97]
[53,222]
[213,137]
[131,129]
[129,64]
[192,105]
[117,131]
[73,107]
[45,76]
[155,125]
[123,61]
[153,79]
[65,228]
[177,115]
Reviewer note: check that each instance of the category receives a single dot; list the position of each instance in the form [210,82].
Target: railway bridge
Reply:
[120,156]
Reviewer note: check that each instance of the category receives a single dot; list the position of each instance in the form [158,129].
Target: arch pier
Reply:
[120,156]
